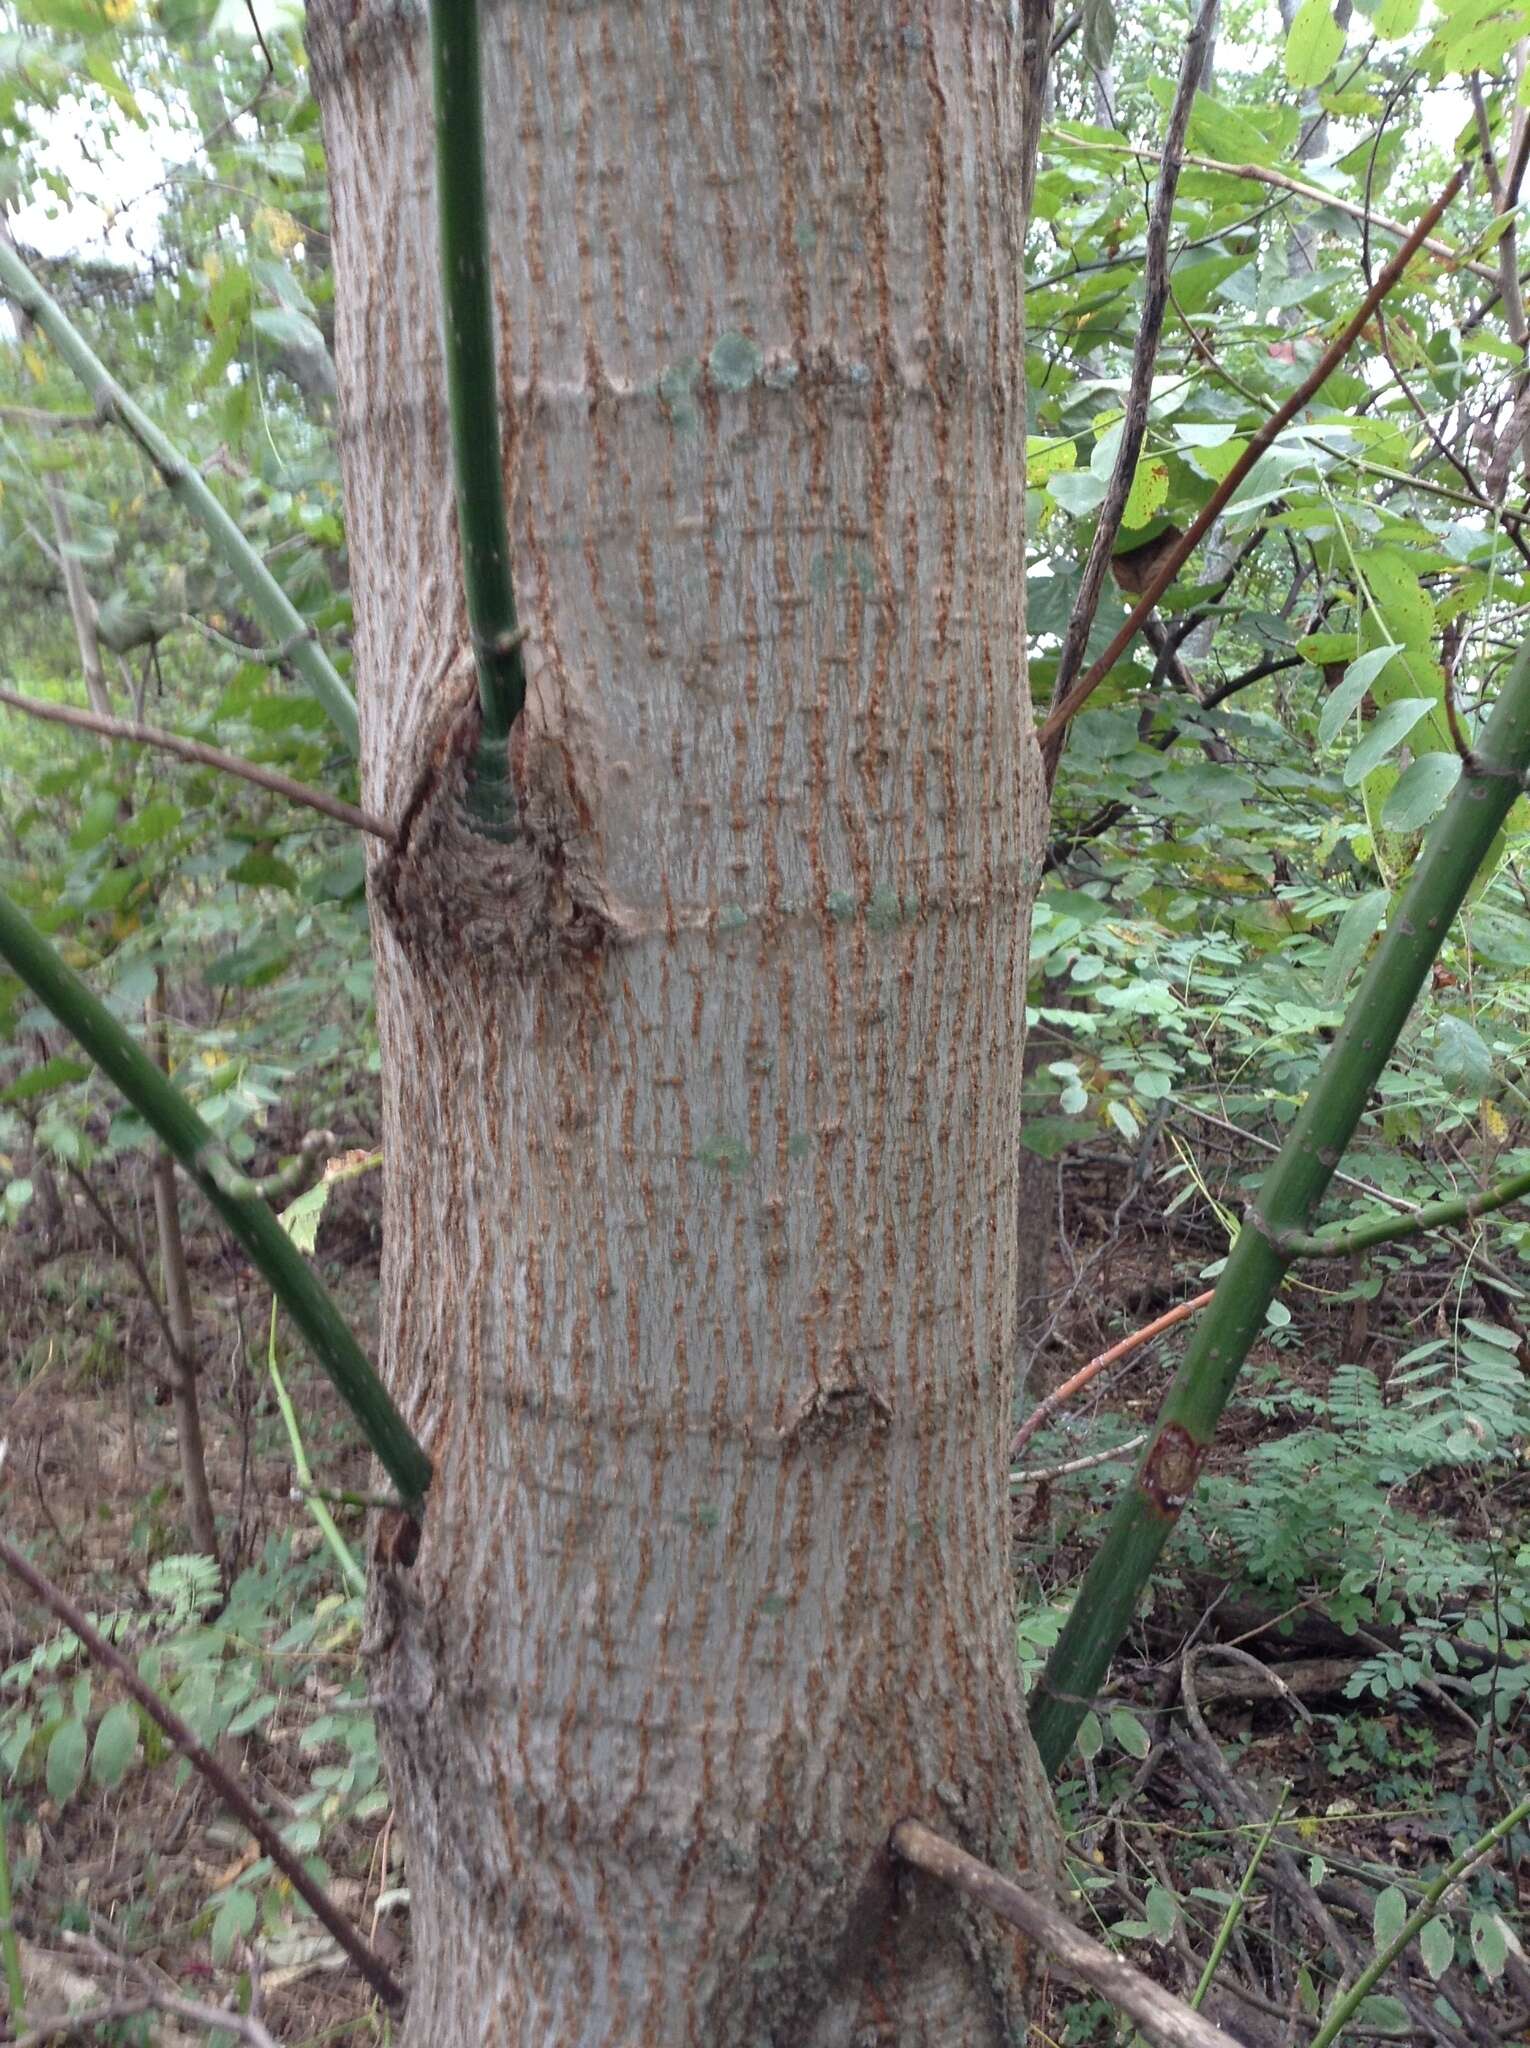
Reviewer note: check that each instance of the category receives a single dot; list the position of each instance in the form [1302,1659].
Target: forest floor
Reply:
[140,1865]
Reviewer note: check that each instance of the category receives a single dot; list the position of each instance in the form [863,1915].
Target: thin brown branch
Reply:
[215,2018]
[1155,292]
[196,1752]
[1062,714]
[207,757]
[1045,1409]
[1161,2016]
[1035,1475]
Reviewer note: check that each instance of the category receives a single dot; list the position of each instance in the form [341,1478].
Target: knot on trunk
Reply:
[496,858]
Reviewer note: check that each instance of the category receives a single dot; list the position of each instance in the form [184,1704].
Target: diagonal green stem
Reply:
[179,1128]
[471,381]
[1348,2002]
[276,610]
[1492,777]
[1237,1905]
[1337,1240]
[10,1947]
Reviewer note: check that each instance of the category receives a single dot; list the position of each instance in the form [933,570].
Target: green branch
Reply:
[1338,1239]
[196,1149]
[471,382]
[1145,1517]
[1348,2002]
[186,484]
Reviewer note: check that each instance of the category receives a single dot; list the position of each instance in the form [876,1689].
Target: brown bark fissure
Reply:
[699,1234]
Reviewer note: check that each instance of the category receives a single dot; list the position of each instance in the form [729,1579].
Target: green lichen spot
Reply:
[841,906]
[731,916]
[884,913]
[863,569]
[677,386]
[724,1152]
[735,362]
[773,1606]
[708,1516]
[799,1144]
[805,235]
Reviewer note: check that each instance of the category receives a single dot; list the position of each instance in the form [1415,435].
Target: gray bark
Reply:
[700,1095]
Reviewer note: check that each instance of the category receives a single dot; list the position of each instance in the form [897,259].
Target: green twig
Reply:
[471,382]
[186,483]
[1149,1509]
[1339,1239]
[272,1187]
[350,1572]
[181,1130]
[1237,1903]
[1348,2001]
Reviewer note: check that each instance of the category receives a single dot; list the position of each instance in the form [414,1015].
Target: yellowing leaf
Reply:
[1044,458]
[1150,487]
[1494,1123]
[32,357]
[278,228]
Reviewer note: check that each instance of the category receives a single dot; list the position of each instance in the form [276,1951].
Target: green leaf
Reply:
[300,1219]
[233,1920]
[286,329]
[1489,1945]
[1123,1120]
[1350,688]
[1437,1946]
[1386,2015]
[1129,1732]
[1395,18]
[1100,27]
[1356,929]
[112,83]
[116,1743]
[1078,491]
[248,966]
[1421,791]
[1215,463]
[66,1760]
[58,1072]
[1091,1736]
[1313,46]
[96,822]
[75,17]
[1162,1910]
[1385,731]
[1388,1915]
[1461,1056]
[263,871]
[157,820]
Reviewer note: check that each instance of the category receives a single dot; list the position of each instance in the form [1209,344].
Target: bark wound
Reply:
[1172,1469]
[833,1413]
[526,900]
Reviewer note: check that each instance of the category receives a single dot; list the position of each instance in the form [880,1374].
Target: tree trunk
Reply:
[700,1092]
